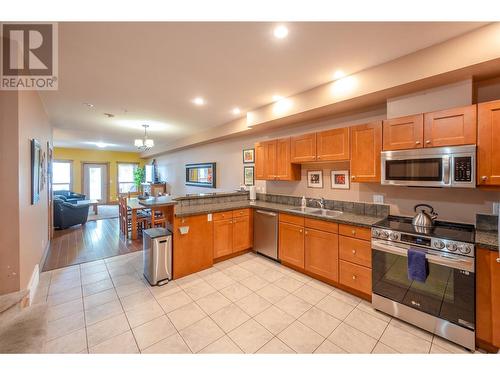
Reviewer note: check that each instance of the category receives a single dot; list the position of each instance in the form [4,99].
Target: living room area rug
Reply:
[108,211]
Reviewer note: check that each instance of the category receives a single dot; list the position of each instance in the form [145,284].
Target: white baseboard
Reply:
[33,283]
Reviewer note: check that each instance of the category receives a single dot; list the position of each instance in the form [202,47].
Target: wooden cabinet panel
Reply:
[356,277]
[242,233]
[366,145]
[292,219]
[333,145]
[303,148]
[483,296]
[488,152]
[291,244]
[321,253]
[270,158]
[403,133]
[193,251]
[273,161]
[222,215]
[223,237]
[285,170]
[355,251]
[450,127]
[241,212]
[354,231]
[495,298]
[323,225]
[260,162]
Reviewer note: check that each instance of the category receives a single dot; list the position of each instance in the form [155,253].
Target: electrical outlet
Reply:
[378,198]
[496,206]
[209,217]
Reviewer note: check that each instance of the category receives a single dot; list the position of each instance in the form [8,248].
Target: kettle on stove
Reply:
[424,218]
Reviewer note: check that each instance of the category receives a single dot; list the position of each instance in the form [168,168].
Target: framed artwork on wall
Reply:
[36,170]
[249,156]
[340,179]
[248,176]
[201,174]
[315,179]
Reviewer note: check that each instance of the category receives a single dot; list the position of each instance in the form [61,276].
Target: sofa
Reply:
[69,196]
[67,214]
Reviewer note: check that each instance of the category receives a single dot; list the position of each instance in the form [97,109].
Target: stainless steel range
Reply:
[444,303]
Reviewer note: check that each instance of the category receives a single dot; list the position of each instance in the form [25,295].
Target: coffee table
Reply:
[91,202]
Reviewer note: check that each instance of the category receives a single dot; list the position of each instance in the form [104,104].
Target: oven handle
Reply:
[447,261]
[446,169]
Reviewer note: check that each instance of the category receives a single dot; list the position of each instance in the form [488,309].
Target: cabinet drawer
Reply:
[356,277]
[292,219]
[241,212]
[222,215]
[322,225]
[356,232]
[355,251]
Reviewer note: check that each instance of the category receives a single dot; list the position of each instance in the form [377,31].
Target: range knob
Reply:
[384,234]
[376,233]
[439,244]
[393,236]
[465,249]
[451,246]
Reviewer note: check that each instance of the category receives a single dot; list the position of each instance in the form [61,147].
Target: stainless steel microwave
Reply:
[430,167]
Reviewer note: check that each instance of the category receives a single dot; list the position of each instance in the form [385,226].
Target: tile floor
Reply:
[244,305]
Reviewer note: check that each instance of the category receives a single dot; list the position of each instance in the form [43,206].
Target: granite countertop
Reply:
[345,217]
[210,195]
[487,239]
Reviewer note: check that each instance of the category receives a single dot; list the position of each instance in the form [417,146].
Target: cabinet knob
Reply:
[498,260]
[318,157]
[484,178]
[427,142]
[353,251]
[307,232]
[353,177]
[353,231]
[354,277]
[300,230]
[417,142]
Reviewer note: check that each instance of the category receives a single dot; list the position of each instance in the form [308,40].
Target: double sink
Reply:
[321,212]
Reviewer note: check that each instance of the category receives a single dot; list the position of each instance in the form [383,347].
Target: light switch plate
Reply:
[209,217]
[378,198]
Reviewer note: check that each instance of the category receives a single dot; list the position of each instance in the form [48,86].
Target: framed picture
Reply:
[340,179]
[315,179]
[249,156]
[36,170]
[202,174]
[248,176]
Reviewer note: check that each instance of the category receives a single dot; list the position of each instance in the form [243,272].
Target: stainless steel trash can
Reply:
[157,246]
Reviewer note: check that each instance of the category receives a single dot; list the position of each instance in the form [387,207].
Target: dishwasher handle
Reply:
[266,213]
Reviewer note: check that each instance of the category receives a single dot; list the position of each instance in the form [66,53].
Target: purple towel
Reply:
[418,268]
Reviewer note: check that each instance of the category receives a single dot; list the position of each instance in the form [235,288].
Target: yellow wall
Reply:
[78,156]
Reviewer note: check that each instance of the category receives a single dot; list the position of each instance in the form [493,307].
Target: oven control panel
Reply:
[462,171]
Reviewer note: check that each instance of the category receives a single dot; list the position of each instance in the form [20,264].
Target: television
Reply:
[202,174]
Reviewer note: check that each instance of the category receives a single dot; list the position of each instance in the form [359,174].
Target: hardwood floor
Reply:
[94,240]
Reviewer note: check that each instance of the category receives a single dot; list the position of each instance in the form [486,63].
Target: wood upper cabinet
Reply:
[366,145]
[321,253]
[403,133]
[291,244]
[488,152]
[265,160]
[332,145]
[192,251]
[260,161]
[242,233]
[223,237]
[303,148]
[450,127]
[285,170]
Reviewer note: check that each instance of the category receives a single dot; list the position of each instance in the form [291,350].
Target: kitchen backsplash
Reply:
[487,222]
[216,198]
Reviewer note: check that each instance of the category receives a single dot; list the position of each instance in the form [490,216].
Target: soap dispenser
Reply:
[303,203]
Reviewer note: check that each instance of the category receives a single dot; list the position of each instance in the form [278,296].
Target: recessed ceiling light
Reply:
[277,98]
[236,111]
[90,105]
[338,74]
[199,101]
[280,32]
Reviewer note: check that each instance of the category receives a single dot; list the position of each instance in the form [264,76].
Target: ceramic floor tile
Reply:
[132,300]
[213,302]
[207,272]
[345,297]
[288,283]
[127,279]
[164,290]
[235,292]
[106,329]
[65,296]
[224,265]
[270,274]
[335,307]
[153,331]
[128,289]
[319,321]
[174,301]
[100,298]
[103,312]
[381,348]
[328,347]
[224,345]
[403,341]
[352,340]
[253,304]
[301,338]
[64,309]
[143,313]
[97,287]
[199,290]
[171,345]
[272,293]
[410,328]
[254,282]
[219,280]
[186,315]
[366,323]
[367,307]
[448,346]
[201,334]
[321,286]
[121,344]
[274,319]
[237,273]
[95,277]
[293,305]
[252,266]
[187,280]
[250,336]
[74,342]
[275,346]
[309,294]
[63,326]
[230,317]
[298,276]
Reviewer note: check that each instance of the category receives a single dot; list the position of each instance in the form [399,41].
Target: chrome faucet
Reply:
[321,203]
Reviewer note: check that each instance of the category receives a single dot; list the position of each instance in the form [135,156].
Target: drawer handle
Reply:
[354,277]
[353,232]
[427,142]
[353,251]
[417,142]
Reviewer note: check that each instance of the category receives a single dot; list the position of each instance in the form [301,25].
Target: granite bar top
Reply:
[487,239]
[344,218]
[210,195]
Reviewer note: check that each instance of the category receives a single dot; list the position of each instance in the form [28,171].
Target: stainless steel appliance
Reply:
[265,233]
[430,167]
[444,303]
[423,218]
[157,258]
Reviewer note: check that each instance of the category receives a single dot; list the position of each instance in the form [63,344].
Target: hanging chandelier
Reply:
[144,144]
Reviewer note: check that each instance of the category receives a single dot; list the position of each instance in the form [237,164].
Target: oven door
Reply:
[448,292]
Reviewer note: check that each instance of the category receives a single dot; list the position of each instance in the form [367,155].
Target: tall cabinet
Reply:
[488,141]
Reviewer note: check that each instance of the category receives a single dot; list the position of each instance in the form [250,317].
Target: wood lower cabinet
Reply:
[223,237]
[403,133]
[356,277]
[192,251]
[333,145]
[242,233]
[303,148]
[488,139]
[321,253]
[355,251]
[366,144]
[291,244]
[451,127]
[232,232]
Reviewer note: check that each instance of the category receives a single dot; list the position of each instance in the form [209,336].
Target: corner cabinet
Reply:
[403,133]
[488,152]
[366,145]
[273,161]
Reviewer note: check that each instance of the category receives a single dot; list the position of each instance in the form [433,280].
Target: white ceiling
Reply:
[150,72]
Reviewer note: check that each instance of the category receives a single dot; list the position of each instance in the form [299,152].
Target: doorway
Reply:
[95,181]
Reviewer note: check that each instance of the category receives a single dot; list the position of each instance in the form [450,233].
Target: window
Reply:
[61,175]
[126,177]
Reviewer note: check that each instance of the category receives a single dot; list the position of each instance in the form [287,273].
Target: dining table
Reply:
[164,204]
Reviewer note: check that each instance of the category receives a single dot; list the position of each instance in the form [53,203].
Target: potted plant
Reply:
[139,174]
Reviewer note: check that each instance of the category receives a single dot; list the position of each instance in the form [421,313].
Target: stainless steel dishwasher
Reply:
[265,233]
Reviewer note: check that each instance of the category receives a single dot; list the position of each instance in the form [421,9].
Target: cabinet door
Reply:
[291,244]
[303,148]
[242,233]
[495,298]
[193,251]
[285,170]
[483,295]
[260,161]
[223,237]
[488,152]
[333,145]
[270,158]
[366,145]
[321,253]
[403,133]
[450,127]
